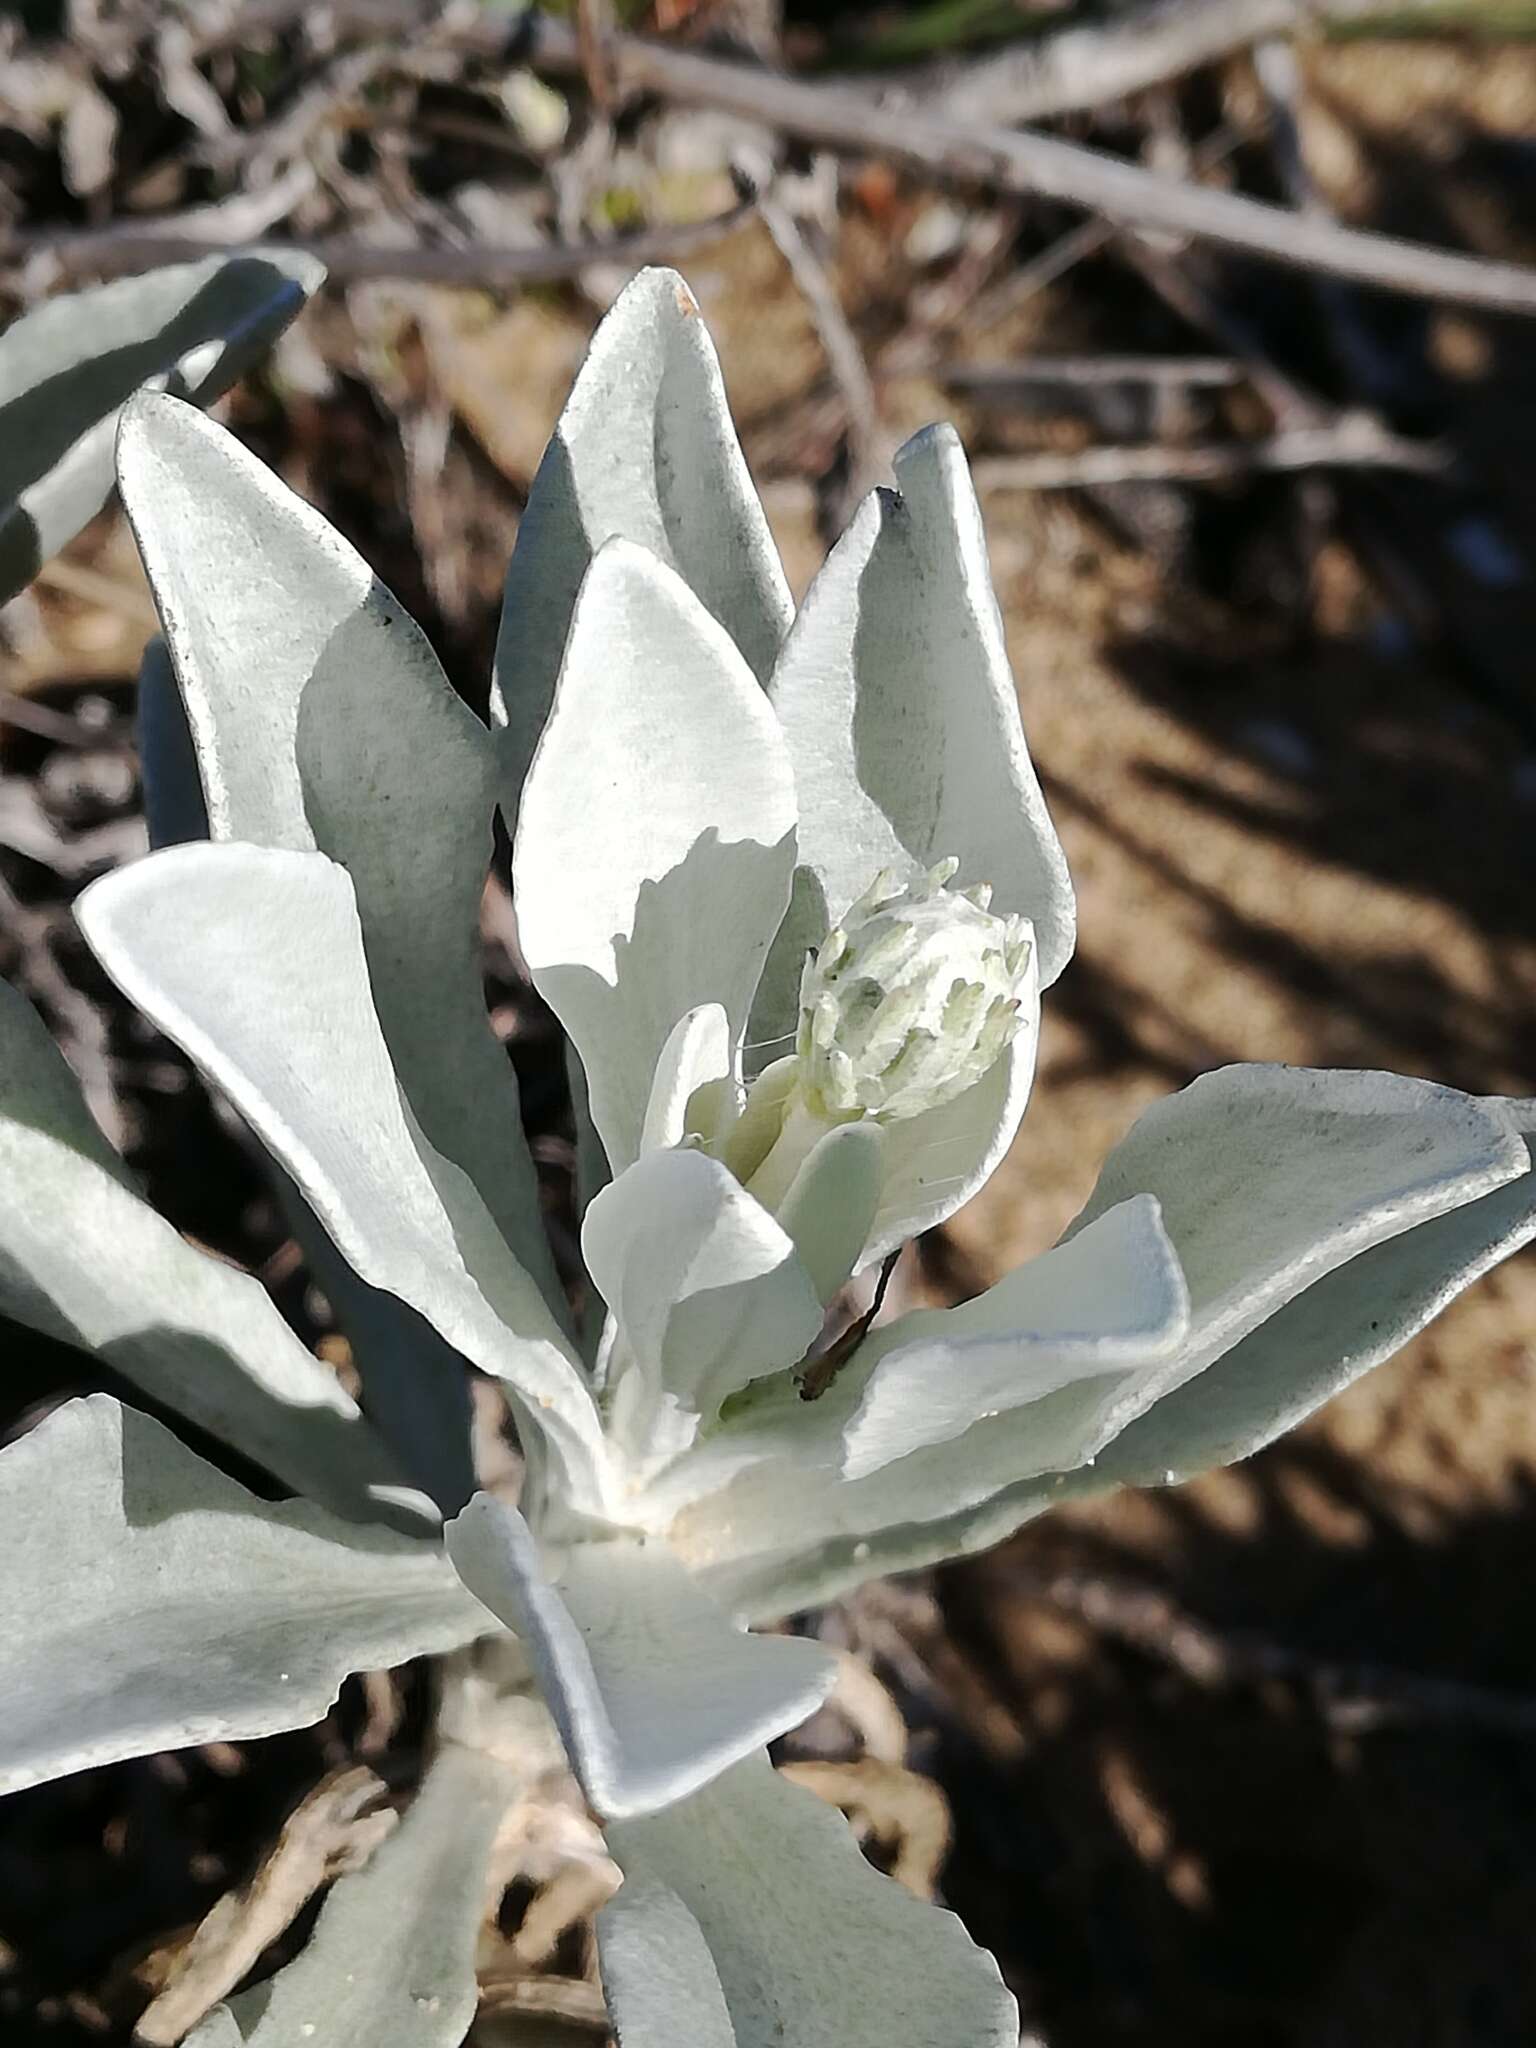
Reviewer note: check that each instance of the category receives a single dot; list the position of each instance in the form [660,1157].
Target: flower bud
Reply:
[910,999]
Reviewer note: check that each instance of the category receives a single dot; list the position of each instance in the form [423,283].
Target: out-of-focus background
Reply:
[1250,1761]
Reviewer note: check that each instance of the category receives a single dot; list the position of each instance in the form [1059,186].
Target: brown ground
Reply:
[1306,849]
[1294,837]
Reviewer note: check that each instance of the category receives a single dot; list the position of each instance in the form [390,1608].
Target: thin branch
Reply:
[594,25]
[58,726]
[1358,352]
[1354,441]
[1175,373]
[1078,244]
[336,1828]
[1080,68]
[127,247]
[868,454]
[1293,406]
[571,2001]
[1355,1697]
[838,118]
[341,83]
[843,118]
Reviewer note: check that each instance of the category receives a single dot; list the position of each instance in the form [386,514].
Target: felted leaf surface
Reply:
[84,1259]
[654,1690]
[148,1602]
[321,719]
[1311,1348]
[1270,1177]
[808,1943]
[392,1956]
[902,721]
[1076,1322]
[659,1976]
[1327,1337]
[656,837]
[645,450]
[67,367]
[942,1410]
[415,1387]
[301,1055]
[708,1289]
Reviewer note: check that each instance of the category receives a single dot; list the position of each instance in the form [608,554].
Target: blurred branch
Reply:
[1088,66]
[336,1828]
[867,450]
[1353,1698]
[574,2006]
[128,247]
[848,119]
[1352,441]
[594,25]
[840,118]
[1179,373]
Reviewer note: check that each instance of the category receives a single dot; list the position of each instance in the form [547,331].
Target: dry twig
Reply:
[839,118]
[1353,440]
[1352,1698]
[849,119]
[126,247]
[868,452]
[1176,373]
[895,1805]
[1089,66]
[571,2000]
[335,1829]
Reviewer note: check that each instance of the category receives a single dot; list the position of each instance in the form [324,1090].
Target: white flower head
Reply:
[911,997]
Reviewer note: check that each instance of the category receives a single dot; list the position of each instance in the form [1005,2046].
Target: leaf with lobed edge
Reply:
[391,1961]
[1308,1350]
[1269,1177]
[807,1943]
[68,366]
[654,1690]
[1314,1348]
[150,1603]
[83,1258]
[646,451]
[659,1977]
[302,1058]
[942,1409]
[1328,1336]
[1097,1310]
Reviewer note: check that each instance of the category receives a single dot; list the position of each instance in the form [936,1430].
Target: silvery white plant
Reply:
[789,884]
[67,367]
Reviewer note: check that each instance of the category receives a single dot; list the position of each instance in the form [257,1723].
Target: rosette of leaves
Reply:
[735,832]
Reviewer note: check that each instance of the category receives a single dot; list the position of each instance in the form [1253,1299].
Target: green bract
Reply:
[702,791]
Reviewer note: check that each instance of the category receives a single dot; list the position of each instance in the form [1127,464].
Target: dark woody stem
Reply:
[821,1372]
